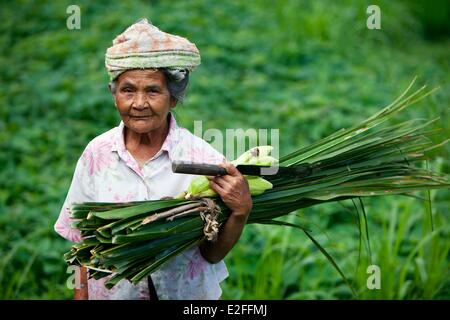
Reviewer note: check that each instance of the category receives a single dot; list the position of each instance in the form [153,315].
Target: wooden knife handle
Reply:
[198,169]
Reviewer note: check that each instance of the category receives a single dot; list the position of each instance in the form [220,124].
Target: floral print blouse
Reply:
[107,172]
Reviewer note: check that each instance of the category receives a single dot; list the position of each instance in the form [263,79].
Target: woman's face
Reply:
[143,99]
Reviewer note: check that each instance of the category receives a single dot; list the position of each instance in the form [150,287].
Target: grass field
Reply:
[307,68]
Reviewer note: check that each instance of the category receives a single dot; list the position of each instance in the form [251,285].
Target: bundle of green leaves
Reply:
[372,158]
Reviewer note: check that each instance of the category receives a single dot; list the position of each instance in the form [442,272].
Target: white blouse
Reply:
[107,172]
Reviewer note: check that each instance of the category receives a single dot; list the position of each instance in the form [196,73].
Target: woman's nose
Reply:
[140,101]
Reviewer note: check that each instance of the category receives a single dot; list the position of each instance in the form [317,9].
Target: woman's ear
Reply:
[111,88]
[173,103]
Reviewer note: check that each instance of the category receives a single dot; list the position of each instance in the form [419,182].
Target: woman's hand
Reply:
[234,191]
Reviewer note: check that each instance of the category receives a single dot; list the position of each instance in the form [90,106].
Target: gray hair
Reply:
[177,81]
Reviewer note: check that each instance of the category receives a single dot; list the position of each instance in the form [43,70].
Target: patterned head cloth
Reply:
[143,46]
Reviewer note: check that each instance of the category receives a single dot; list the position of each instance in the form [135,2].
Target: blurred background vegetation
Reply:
[305,67]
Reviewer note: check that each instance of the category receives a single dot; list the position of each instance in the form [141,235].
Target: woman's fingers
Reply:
[229,182]
[216,187]
[231,169]
[222,182]
[226,179]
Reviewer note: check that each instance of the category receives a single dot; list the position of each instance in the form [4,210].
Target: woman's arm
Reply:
[234,191]
[82,292]
[229,234]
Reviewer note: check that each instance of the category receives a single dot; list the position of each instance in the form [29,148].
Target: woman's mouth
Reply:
[140,117]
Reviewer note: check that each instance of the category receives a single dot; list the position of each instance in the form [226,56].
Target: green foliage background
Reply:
[305,67]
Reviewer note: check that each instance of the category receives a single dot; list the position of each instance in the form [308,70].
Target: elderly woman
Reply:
[149,72]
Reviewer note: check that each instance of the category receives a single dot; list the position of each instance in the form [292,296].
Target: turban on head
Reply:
[142,46]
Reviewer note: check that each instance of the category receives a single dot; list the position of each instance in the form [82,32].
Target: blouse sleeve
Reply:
[81,190]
